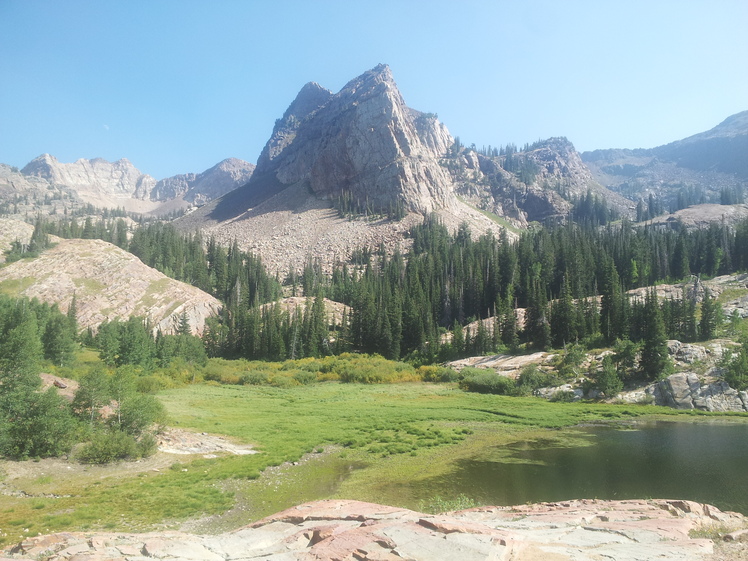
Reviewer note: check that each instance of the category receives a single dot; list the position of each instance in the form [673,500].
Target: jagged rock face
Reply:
[363,141]
[108,283]
[531,185]
[685,391]
[206,186]
[95,177]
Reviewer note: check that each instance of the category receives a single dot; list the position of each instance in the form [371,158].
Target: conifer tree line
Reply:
[402,305]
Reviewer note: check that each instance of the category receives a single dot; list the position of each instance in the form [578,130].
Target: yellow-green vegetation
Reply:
[400,432]
[729,294]
[89,286]
[152,294]
[14,287]
[500,220]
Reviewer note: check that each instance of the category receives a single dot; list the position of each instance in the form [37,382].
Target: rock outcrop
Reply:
[361,150]
[363,143]
[686,391]
[108,283]
[13,231]
[535,184]
[579,530]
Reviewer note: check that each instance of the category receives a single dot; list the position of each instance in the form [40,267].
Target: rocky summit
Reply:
[578,530]
[362,142]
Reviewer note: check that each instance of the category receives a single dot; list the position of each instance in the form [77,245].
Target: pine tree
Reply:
[710,315]
[654,360]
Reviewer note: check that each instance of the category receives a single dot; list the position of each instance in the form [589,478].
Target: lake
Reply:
[704,462]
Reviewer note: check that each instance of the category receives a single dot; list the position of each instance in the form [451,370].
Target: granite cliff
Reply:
[364,142]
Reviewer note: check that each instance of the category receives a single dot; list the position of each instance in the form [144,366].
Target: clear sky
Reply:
[177,86]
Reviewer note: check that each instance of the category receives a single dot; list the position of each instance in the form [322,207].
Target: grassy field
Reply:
[394,432]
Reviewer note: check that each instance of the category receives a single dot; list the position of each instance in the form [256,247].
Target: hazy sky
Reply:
[177,86]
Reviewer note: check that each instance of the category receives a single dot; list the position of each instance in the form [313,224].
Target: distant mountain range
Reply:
[358,167]
[708,167]
[49,186]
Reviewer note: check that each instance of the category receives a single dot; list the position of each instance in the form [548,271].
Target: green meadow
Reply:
[351,438]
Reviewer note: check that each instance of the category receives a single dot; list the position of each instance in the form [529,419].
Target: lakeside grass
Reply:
[400,432]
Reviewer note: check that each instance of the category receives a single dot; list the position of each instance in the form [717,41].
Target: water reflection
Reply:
[705,462]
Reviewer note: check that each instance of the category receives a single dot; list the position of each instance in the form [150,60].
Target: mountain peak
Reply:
[310,98]
[362,142]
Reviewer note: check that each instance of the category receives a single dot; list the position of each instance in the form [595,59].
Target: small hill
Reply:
[700,216]
[108,283]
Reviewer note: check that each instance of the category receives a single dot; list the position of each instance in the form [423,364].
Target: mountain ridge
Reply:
[701,168]
[119,184]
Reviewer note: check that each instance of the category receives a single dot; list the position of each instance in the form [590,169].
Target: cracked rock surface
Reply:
[578,530]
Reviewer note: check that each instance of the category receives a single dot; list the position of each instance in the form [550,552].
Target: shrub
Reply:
[151,384]
[488,382]
[280,381]
[305,377]
[253,378]
[438,374]
[531,378]
[563,396]
[111,446]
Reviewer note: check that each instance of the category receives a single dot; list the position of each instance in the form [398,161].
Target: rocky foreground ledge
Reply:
[576,530]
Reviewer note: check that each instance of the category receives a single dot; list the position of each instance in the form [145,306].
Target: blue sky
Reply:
[177,86]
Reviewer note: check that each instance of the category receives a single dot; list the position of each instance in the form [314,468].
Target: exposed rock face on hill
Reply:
[96,181]
[697,169]
[46,184]
[686,391]
[579,530]
[204,187]
[363,142]
[108,283]
[11,231]
[536,184]
[700,216]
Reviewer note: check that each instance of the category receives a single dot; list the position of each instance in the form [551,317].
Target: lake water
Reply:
[704,462]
